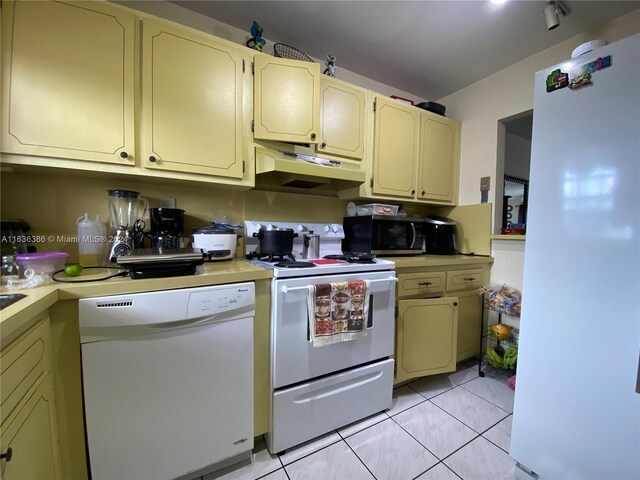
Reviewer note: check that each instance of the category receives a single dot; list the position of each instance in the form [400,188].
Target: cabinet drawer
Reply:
[22,363]
[412,284]
[464,279]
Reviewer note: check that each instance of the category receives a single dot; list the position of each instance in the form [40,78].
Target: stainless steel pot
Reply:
[275,241]
[311,245]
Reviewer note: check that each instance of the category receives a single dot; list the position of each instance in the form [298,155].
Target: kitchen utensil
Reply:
[311,245]
[44,262]
[283,50]
[275,241]
[218,243]
[433,107]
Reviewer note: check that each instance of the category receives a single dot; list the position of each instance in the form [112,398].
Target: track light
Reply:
[551,12]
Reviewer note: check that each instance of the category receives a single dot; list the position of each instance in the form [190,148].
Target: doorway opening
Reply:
[512,173]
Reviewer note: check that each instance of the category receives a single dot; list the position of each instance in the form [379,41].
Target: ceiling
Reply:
[427,48]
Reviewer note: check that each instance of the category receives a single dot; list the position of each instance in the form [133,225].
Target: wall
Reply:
[178,14]
[504,94]
[51,203]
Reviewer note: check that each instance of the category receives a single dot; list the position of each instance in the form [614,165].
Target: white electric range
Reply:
[315,390]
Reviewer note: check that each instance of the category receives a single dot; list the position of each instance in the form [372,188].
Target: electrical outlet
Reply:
[167,203]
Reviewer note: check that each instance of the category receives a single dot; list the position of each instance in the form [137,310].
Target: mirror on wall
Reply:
[515,172]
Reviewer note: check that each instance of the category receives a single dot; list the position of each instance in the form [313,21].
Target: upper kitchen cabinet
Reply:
[192,102]
[415,156]
[68,80]
[286,100]
[395,149]
[342,118]
[438,159]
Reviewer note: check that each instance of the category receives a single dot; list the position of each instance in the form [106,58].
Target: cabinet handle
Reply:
[7,455]
[469,279]
[323,145]
[152,159]
[423,192]
[413,192]
[455,304]
[313,136]
[424,284]
[124,154]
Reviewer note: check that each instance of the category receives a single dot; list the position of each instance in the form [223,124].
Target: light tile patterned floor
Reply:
[448,426]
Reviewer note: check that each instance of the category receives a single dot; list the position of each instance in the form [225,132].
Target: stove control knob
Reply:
[335,228]
[326,228]
[270,226]
[300,228]
[258,226]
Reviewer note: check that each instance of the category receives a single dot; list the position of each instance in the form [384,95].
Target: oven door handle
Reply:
[286,289]
[413,240]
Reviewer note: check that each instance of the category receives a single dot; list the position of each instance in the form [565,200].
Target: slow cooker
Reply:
[218,243]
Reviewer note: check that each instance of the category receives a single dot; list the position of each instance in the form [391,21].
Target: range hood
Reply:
[303,171]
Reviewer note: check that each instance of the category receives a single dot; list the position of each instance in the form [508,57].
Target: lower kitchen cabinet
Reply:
[469,318]
[28,433]
[438,319]
[426,336]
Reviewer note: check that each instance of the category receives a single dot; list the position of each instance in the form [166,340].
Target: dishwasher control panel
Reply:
[217,300]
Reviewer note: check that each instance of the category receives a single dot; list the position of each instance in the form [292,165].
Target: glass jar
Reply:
[10,269]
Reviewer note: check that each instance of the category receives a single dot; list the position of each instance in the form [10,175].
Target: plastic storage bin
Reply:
[378,209]
[44,262]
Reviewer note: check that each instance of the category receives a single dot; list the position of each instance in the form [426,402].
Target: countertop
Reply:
[14,317]
[426,261]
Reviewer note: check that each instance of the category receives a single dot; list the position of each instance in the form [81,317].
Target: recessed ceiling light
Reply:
[499,2]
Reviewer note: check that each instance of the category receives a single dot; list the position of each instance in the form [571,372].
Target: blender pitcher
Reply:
[126,220]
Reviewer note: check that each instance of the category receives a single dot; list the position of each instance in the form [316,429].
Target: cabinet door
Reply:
[469,319]
[192,102]
[286,100]
[68,80]
[31,435]
[438,160]
[342,118]
[426,337]
[395,148]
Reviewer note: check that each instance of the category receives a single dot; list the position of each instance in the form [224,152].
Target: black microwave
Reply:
[383,235]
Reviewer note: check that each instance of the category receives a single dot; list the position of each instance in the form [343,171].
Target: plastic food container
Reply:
[44,262]
[377,209]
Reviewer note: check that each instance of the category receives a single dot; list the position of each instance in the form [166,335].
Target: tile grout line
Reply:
[486,400]
[469,426]
[315,451]
[361,461]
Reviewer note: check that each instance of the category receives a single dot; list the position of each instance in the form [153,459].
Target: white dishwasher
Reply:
[167,380]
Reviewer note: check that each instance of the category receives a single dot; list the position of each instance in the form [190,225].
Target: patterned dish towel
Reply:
[338,312]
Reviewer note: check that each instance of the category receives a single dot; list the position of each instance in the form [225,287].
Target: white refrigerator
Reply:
[577,406]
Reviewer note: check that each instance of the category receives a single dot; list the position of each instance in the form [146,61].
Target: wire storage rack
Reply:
[498,341]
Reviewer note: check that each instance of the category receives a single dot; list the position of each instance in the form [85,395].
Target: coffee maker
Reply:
[126,221]
[167,226]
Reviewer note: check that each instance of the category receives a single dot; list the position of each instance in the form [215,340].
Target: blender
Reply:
[126,213]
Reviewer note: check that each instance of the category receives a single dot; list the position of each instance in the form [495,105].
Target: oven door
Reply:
[293,356]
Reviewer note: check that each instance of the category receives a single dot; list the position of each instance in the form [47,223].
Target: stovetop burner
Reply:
[294,264]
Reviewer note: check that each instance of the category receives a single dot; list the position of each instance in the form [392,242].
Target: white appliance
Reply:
[317,389]
[168,381]
[577,406]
